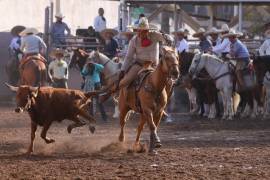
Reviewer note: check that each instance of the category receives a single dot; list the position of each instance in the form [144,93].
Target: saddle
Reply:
[27,58]
[136,85]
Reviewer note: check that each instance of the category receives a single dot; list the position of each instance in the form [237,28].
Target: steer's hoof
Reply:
[152,152]
[92,129]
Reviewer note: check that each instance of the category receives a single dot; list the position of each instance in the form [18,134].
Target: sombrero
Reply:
[56,51]
[108,30]
[127,32]
[59,15]
[28,30]
[213,30]
[224,28]
[144,25]
[201,31]
[16,30]
[232,33]
[180,31]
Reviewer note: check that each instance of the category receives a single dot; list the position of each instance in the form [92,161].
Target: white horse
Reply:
[219,71]
[111,72]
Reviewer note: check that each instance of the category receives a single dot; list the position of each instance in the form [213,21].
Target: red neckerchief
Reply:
[146,42]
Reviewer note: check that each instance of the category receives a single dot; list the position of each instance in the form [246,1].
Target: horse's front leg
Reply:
[138,147]
[225,113]
[229,104]
[154,139]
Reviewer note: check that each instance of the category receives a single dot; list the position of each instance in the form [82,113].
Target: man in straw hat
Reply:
[111,45]
[264,49]
[238,52]
[205,45]
[145,47]
[32,45]
[58,30]
[181,44]
[58,69]
[223,48]
[214,36]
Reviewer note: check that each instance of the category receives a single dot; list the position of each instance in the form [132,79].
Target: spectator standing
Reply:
[58,69]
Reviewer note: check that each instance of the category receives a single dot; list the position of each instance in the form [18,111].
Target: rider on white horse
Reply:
[239,52]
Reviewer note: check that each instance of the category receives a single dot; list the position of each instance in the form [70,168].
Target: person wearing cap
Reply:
[143,53]
[100,21]
[223,48]
[181,44]
[111,45]
[58,30]
[127,35]
[264,49]
[214,36]
[238,52]
[31,44]
[92,72]
[58,69]
[205,45]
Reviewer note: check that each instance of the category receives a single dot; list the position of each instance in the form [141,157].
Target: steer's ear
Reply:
[12,88]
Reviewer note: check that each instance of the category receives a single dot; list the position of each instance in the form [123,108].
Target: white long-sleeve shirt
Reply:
[59,69]
[32,44]
[182,46]
[99,24]
[224,47]
[265,48]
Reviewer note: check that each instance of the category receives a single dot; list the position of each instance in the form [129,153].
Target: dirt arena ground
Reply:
[192,149]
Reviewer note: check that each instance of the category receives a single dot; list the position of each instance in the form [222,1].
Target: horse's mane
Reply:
[212,57]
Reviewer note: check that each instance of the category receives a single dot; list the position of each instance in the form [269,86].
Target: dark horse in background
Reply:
[207,92]
[12,69]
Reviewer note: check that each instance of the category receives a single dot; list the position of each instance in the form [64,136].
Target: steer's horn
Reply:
[12,88]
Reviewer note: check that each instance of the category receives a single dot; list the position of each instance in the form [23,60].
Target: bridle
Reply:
[194,72]
[170,68]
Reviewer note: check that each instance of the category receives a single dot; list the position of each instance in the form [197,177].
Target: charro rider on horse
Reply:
[31,45]
[238,52]
[143,53]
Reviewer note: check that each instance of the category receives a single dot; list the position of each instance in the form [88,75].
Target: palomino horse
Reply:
[152,97]
[33,71]
[220,72]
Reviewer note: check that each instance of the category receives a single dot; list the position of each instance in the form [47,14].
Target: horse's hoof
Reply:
[69,129]
[121,138]
[49,141]
[158,145]
[139,148]
[92,129]
[152,152]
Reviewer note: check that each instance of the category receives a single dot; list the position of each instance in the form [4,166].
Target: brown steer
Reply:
[47,104]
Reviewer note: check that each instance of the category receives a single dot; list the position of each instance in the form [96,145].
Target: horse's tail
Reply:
[236,101]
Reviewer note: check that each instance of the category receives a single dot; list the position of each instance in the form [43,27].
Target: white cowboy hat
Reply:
[224,28]
[56,51]
[180,31]
[127,32]
[28,30]
[59,15]
[108,30]
[199,32]
[232,33]
[213,30]
[144,25]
